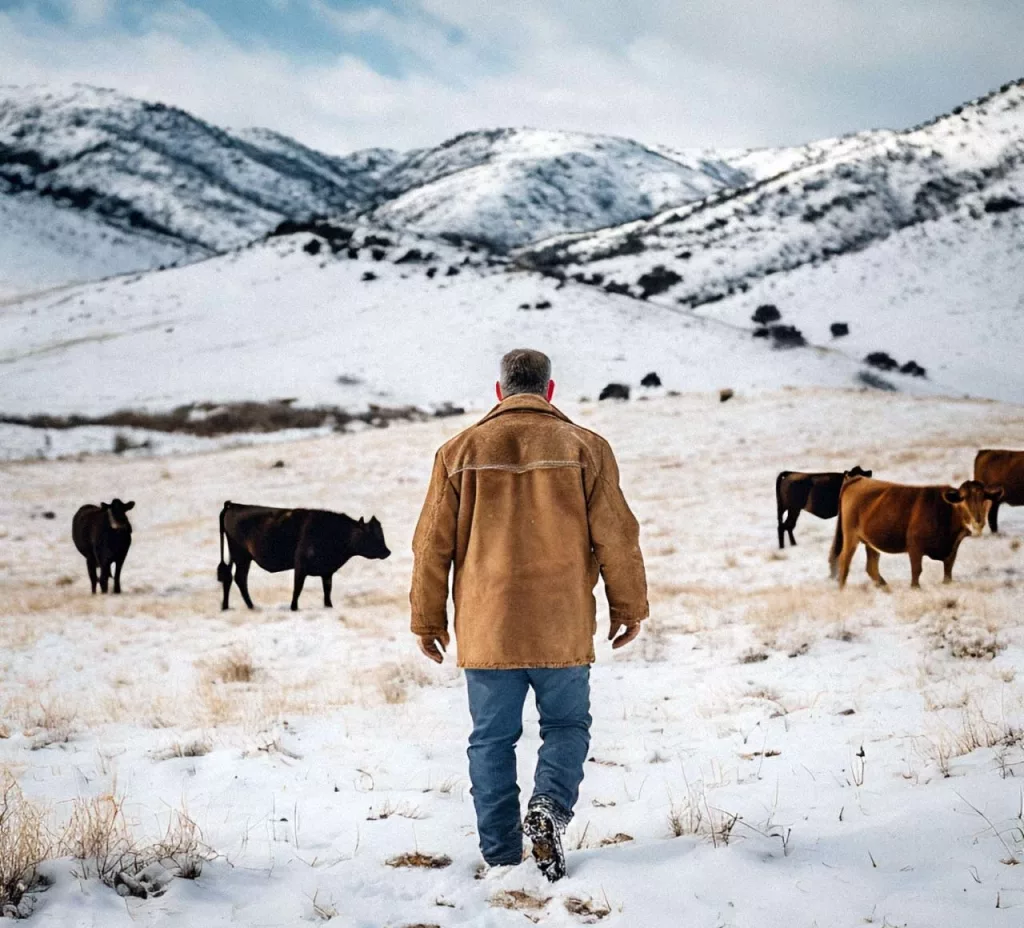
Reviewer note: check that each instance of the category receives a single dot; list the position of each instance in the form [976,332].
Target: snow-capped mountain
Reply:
[507,187]
[140,184]
[841,198]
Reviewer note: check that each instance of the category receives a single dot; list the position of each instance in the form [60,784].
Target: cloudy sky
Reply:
[345,74]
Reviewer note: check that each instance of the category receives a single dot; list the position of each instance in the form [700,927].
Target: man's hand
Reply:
[629,632]
[434,646]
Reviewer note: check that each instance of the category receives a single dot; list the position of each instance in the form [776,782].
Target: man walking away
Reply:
[527,508]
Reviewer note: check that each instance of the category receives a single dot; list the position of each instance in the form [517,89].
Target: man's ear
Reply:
[551,390]
[129,505]
[497,390]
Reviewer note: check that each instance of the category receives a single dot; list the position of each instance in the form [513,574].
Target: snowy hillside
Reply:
[424,326]
[507,187]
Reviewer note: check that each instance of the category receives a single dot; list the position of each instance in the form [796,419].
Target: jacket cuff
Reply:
[629,617]
[427,625]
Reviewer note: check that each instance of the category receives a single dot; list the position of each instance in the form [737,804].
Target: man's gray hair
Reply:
[524,370]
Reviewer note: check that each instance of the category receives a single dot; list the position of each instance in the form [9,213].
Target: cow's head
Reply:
[371,540]
[117,513]
[973,500]
[857,471]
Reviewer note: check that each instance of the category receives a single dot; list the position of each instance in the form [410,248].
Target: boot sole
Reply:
[547,846]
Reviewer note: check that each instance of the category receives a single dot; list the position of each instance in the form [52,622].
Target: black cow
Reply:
[103,536]
[312,542]
[817,493]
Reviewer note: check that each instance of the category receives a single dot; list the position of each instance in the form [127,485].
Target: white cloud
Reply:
[733,73]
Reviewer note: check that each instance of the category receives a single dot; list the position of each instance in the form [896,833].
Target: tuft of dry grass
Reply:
[753,656]
[421,860]
[234,667]
[394,679]
[195,748]
[619,838]
[100,835]
[24,844]
[518,900]
[389,810]
[587,910]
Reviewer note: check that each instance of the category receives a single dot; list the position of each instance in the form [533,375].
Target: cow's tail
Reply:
[780,506]
[224,567]
[837,541]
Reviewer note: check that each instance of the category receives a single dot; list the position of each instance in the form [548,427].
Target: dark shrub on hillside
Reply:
[765,313]
[543,304]
[431,271]
[377,240]
[651,380]
[787,336]
[325,230]
[1001,204]
[378,254]
[839,329]
[312,247]
[913,369]
[726,394]
[368,276]
[657,280]
[882,361]
[452,271]
[615,391]
[615,287]
[410,257]
[353,253]
[762,332]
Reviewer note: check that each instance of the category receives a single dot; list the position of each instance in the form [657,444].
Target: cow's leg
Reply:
[947,564]
[790,524]
[993,516]
[872,566]
[782,530]
[300,578]
[327,581]
[916,563]
[117,576]
[90,565]
[850,543]
[242,565]
[104,575]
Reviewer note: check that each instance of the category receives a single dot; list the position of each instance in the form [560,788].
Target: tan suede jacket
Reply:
[527,507]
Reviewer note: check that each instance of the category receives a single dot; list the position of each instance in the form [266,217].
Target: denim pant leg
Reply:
[496,700]
[563,702]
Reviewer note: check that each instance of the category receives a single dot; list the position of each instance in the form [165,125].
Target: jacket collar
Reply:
[525,402]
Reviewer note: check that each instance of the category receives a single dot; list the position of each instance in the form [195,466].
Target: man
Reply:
[527,507]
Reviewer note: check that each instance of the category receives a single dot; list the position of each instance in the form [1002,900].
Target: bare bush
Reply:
[24,844]
[100,836]
[234,667]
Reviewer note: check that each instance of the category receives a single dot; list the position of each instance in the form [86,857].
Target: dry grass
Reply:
[390,810]
[620,838]
[197,747]
[394,679]
[106,842]
[25,843]
[234,667]
[518,900]
[420,860]
[695,816]
[587,910]
[973,732]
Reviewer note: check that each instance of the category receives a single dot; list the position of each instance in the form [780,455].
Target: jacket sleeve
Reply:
[433,549]
[615,537]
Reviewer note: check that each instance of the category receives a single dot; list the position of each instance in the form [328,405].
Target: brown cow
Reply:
[817,493]
[892,518]
[999,468]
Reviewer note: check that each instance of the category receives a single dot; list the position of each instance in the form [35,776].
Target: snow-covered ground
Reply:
[821,725]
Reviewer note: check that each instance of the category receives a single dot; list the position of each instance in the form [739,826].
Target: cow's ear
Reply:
[129,505]
[952,496]
[868,473]
[104,506]
[994,493]
[362,521]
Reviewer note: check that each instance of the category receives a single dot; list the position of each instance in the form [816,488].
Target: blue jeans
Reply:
[496,699]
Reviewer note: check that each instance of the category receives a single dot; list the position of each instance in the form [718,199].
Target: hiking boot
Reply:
[544,823]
